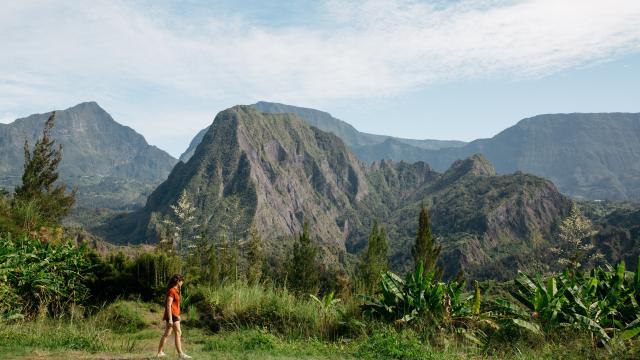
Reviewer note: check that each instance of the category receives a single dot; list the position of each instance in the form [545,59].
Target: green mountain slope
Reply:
[280,171]
[111,164]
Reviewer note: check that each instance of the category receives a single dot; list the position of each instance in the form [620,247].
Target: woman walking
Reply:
[172,316]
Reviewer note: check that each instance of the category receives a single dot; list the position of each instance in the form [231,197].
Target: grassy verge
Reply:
[268,323]
[86,340]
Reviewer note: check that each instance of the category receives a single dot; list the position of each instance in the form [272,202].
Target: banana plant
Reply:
[420,294]
[603,301]
[46,277]
[545,301]
[327,303]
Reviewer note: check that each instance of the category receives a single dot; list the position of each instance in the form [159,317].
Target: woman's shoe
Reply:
[184,356]
[161,354]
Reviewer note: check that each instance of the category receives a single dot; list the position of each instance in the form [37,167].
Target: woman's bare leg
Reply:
[163,339]
[178,332]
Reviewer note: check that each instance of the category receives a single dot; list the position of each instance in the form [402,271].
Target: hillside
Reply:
[280,171]
[112,165]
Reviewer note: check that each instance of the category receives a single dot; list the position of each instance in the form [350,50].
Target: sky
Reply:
[418,69]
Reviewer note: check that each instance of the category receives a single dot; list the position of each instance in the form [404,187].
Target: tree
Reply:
[303,267]
[255,257]
[374,260]
[425,249]
[575,247]
[225,268]
[183,229]
[40,175]
[214,264]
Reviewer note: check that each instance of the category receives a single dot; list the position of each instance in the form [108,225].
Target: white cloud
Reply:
[56,51]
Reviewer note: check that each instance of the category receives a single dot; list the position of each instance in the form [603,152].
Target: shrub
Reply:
[245,341]
[123,317]
[10,303]
[387,343]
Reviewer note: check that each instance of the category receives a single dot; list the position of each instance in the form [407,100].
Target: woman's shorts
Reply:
[174,318]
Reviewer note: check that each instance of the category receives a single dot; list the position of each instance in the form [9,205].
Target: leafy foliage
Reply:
[419,295]
[602,301]
[46,277]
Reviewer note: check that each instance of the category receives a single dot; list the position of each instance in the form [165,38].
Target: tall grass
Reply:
[47,334]
[240,305]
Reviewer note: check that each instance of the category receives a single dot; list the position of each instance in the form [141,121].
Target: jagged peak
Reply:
[87,104]
[476,165]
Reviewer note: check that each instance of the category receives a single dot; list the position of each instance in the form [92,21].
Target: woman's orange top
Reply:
[175,305]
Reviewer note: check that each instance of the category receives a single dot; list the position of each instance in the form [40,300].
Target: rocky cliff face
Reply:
[111,164]
[271,170]
[276,171]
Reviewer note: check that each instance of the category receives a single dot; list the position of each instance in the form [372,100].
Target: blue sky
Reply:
[419,69]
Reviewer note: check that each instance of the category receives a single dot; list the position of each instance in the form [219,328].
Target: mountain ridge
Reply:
[111,164]
[588,155]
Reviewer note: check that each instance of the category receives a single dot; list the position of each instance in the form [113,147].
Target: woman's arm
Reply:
[168,309]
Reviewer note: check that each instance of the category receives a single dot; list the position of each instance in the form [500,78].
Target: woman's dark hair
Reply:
[174,281]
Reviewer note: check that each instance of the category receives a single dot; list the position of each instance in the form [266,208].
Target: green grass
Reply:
[85,339]
[22,337]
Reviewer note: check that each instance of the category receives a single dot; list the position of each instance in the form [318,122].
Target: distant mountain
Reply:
[276,171]
[352,137]
[112,165]
[194,144]
[390,149]
[588,156]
